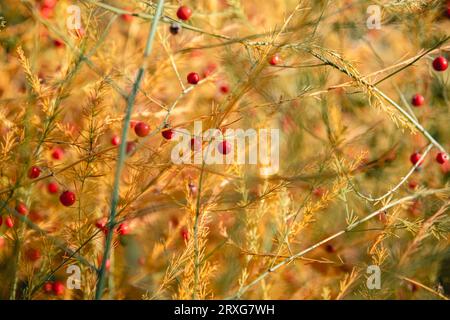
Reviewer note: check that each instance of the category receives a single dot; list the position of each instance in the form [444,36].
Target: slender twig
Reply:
[122,150]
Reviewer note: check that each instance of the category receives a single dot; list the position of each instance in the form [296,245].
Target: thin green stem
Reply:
[122,151]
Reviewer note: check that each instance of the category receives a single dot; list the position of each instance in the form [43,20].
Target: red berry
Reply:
[22,208]
[34,172]
[131,147]
[141,129]
[9,222]
[193,78]
[35,216]
[57,153]
[275,59]
[58,43]
[167,133]
[224,147]
[46,12]
[184,233]
[49,3]
[184,13]
[330,248]
[123,229]
[115,140]
[58,288]
[441,157]
[224,88]
[440,63]
[413,184]
[415,157]
[127,17]
[33,254]
[210,69]
[101,223]
[417,100]
[67,198]
[196,144]
[48,287]
[52,187]
[319,192]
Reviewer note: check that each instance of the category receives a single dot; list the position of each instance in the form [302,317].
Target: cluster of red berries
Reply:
[56,287]
[441,158]
[439,64]
[123,229]
[67,198]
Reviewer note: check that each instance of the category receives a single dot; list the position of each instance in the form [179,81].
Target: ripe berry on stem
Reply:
[57,153]
[126,17]
[440,63]
[413,184]
[441,157]
[417,100]
[22,208]
[33,254]
[49,3]
[101,223]
[48,287]
[67,198]
[415,157]
[193,78]
[275,59]
[9,222]
[46,12]
[184,233]
[167,133]
[123,229]
[52,187]
[58,43]
[184,13]
[115,140]
[224,147]
[224,88]
[34,172]
[141,129]
[131,147]
[58,288]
